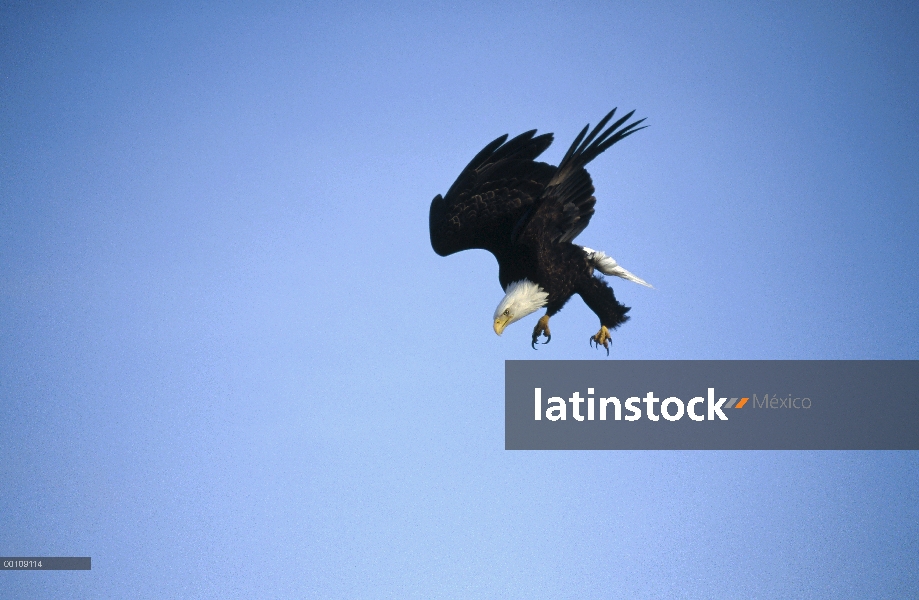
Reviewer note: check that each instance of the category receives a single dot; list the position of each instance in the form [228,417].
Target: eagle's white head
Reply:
[521,298]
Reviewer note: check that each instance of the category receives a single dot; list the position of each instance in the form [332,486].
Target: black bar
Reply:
[46,563]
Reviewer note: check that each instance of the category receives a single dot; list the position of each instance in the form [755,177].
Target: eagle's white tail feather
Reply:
[608,266]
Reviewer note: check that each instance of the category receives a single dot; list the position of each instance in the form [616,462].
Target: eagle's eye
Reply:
[507,312]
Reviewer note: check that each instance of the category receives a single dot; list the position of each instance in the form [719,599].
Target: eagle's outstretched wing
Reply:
[491,196]
[567,204]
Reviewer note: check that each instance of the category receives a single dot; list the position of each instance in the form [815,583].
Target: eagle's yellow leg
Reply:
[542,326]
[602,338]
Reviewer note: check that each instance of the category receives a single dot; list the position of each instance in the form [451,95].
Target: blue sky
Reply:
[231,364]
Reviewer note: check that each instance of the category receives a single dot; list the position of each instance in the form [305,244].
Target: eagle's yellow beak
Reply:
[500,324]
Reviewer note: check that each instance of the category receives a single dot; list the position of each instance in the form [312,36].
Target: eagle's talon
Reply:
[602,338]
[542,328]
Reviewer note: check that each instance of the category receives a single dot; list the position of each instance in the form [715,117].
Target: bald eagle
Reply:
[527,213]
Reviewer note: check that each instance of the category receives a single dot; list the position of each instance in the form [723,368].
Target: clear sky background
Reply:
[232,366]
